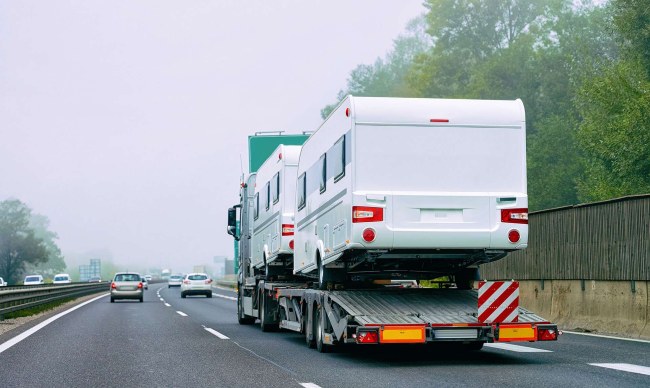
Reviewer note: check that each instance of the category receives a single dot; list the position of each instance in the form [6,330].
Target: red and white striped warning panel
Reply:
[498,302]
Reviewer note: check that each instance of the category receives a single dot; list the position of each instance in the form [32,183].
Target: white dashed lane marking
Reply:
[642,370]
[168,305]
[212,331]
[181,313]
[518,348]
[309,385]
[224,296]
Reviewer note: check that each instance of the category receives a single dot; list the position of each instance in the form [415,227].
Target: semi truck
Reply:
[388,189]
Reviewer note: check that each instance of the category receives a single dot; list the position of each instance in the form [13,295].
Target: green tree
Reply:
[55,263]
[18,244]
[632,24]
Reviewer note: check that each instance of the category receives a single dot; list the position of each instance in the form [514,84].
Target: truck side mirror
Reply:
[232,221]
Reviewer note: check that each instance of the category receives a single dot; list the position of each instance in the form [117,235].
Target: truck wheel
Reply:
[465,278]
[319,332]
[266,327]
[243,320]
[311,342]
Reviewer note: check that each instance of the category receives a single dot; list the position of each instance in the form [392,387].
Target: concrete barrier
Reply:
[603,306]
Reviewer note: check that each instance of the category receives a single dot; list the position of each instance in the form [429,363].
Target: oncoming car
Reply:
[196,284]
[32,280]
[127,286]
[174,281]
[62,278]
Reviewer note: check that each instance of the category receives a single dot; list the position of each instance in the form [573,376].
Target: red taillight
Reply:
[208,281]
[347,112]
[113,286]
[367,214]
[546,334]
[369,235]
[287,230]
[140,285]
[187,282]
[439,120]
[515,216]
[368,337]
[514,236]
[291,244]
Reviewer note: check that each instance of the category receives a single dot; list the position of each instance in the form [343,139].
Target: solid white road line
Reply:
[518,348]
[309,385]
[606,336]
[216,333]
[225,289]
[643,370]
[41,325]
[168,305]
[181,313]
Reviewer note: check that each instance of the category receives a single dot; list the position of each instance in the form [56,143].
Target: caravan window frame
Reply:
[323,176]
[338,175]
[276,190]
[267,190]
[302,191]
[256,206]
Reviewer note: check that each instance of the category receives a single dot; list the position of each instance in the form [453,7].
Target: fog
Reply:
[124,122]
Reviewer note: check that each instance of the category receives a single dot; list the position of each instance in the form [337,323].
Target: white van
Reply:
[273,207]
[62,278]
[391,187]
[31,280]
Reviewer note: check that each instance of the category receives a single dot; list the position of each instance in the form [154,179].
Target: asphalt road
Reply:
[128,344]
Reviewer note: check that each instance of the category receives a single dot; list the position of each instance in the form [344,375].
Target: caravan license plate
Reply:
[402,334]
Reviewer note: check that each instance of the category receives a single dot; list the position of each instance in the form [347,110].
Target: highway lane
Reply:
[127,344]
[566,362]
[103,344]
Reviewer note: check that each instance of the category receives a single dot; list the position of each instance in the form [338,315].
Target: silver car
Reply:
[127,285]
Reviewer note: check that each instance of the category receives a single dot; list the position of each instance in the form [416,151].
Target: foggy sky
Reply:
[124,121]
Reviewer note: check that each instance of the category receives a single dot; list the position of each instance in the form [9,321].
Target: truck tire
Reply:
[311,342]
[319,332]
[241,318]
[329,275]
[465,278]
[266,327]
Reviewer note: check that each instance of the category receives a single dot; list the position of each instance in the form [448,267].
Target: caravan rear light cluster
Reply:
[368,337]
[287,230]
[291,244]
[367,214]
[515,216]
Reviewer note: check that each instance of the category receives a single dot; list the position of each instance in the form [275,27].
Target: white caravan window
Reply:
[256,205]
[267,191]
[275,187]
[338,154]
[323,175]
[302,189]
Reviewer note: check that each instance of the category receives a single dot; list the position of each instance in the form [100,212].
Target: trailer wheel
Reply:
[311,342]
[319,332]
[266,327]
[243,320]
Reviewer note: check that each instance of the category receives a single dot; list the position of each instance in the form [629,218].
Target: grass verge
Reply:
[38,309]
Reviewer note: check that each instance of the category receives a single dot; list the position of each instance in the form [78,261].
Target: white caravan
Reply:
[273,207]
[411,187]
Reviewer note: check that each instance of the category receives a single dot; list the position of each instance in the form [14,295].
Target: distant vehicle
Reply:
[165,274]
[127,285]
[174,281]
[148,277]
[32,280]
[62,278]
[145,283]
[196,284]
[3,283]
[95,279]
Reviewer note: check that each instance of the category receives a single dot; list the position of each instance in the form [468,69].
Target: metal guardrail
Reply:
[24,297]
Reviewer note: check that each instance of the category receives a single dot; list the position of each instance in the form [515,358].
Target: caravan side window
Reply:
[256,205]
[302,191]
[338,154]
[267,191]
[323,175]
[275,187]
